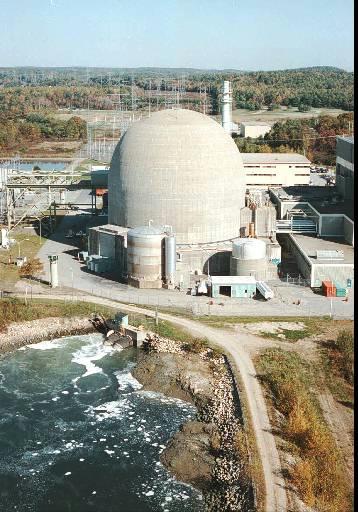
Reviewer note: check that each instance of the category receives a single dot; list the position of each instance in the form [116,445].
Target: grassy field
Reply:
[15,310]
[271,117]
[29,245]
[318,473]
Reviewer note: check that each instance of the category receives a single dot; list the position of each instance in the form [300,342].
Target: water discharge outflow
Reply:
[77,432]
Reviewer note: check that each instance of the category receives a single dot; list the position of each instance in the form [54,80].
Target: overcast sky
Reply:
[248,35]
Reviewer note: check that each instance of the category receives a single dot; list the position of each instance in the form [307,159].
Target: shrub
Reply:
[345,345]
[319,475]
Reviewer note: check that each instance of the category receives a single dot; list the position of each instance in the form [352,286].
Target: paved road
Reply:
[235,345]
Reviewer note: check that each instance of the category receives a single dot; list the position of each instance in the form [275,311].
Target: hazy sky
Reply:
[250,34]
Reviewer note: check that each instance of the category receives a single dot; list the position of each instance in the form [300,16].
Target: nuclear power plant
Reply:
[186,209]
[177,205]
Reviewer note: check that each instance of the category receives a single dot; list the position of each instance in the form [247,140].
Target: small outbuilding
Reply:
[233,286]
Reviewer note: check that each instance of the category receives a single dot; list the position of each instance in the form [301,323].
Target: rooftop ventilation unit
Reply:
[330,255]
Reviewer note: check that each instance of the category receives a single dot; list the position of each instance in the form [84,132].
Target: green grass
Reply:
[9,274]
[15,310]
[169,330]
[318,474]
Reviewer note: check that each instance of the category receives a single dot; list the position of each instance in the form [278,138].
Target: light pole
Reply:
[40,230]
[72,281]
[20,242]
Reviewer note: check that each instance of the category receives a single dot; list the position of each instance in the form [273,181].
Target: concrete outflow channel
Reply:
[276,499]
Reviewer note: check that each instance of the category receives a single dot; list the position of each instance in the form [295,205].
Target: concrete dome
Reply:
[178,168]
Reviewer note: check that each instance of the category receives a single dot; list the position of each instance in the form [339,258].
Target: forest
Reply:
[302,88]
[29,98]
[315,137]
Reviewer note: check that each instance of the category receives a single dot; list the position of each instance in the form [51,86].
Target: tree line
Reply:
[303,88]
[314,137]
[19,132]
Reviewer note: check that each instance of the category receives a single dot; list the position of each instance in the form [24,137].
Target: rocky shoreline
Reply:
[210,452]
[34,331]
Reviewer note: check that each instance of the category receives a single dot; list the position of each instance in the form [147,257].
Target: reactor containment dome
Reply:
[178,168]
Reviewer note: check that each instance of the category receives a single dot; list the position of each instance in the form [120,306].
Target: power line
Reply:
[305,138]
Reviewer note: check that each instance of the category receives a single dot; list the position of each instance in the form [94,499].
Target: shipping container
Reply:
[340,290]
[330,292]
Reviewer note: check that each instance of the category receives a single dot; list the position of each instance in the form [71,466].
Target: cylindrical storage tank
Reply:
[274,252]
[246,216]
[249,249]
[53,271]
[249,258]
[252,229]
[144,257]
[265,220]
[170,259]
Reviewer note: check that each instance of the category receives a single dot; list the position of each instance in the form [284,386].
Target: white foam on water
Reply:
[87,354]
[45,345]
[126,381]
[115,409]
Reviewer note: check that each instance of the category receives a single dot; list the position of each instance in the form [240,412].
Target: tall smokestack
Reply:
[226,107]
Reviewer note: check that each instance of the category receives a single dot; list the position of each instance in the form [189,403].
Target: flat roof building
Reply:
[321,259]
[254,129]
[322,205]
[266,170]
[345,172]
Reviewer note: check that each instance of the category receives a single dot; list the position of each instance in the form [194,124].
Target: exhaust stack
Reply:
[226,107]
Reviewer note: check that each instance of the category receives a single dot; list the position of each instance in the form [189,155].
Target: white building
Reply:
[254,129]
[264,170]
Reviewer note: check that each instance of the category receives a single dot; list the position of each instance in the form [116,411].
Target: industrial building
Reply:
[323,259]
[184,204]
[254,129]
[233,286]
[267,170]
[318,232]
[177,204]
[314,210]
[345,172]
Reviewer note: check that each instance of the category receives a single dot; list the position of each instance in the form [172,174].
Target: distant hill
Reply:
[157,70]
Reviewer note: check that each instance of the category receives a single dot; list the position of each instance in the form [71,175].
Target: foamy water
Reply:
[78,432]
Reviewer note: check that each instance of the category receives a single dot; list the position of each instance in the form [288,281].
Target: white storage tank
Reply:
[170,260]
[249,258]
[249,249]
[144,257]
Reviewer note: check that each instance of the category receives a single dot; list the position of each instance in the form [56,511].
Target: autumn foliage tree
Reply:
[32,268]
